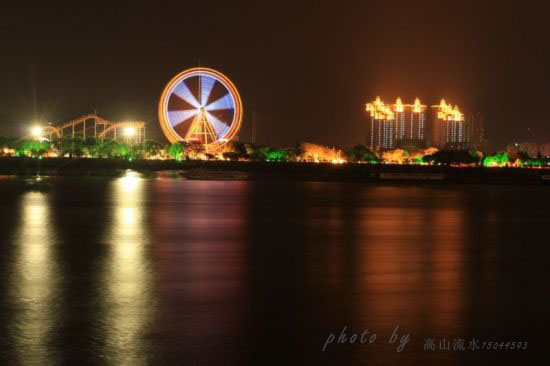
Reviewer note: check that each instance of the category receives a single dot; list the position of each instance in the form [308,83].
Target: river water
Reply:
[165,271]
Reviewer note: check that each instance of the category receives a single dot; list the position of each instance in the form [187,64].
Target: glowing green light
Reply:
[497,160]
[532,163]
[276,155]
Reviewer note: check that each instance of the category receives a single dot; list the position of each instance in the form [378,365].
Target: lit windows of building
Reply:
[390,124]
[382,125]
[448,125]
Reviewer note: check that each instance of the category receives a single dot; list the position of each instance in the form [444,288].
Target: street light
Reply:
[129,131]
[36,131]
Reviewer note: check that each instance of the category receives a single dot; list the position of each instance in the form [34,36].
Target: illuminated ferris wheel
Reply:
[200,105]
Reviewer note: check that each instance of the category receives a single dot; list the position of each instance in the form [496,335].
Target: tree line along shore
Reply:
[238,160]
[239,151]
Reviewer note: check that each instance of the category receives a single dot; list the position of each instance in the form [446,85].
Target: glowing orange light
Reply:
[417,107]
[448,113]
[398,105]
[379,110]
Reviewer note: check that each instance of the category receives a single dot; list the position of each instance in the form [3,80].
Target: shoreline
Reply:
[299,171]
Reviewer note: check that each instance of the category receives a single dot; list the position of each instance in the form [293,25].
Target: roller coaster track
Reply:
[91,125]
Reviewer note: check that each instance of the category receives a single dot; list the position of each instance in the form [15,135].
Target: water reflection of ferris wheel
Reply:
[200,105]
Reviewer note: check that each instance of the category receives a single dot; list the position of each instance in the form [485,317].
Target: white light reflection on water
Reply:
[34,290]
[126,276]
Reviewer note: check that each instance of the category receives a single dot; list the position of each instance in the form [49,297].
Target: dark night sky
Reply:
[306,68]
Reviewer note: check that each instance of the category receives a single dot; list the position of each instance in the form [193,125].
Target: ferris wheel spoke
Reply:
[175,103]
[177,117]
[207,83]
[183,91]
[225,102]
[219,127]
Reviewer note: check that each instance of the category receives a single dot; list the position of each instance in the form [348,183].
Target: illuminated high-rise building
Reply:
[416,121]
[382,131]
[400,116]
[391,124]
[448,126]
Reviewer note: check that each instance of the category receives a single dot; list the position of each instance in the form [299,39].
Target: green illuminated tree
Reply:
[277,155]
[177,150]
[499,159]
[34,148]
[122,150]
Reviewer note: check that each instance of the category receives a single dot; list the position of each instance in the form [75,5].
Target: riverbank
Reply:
[220,170]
